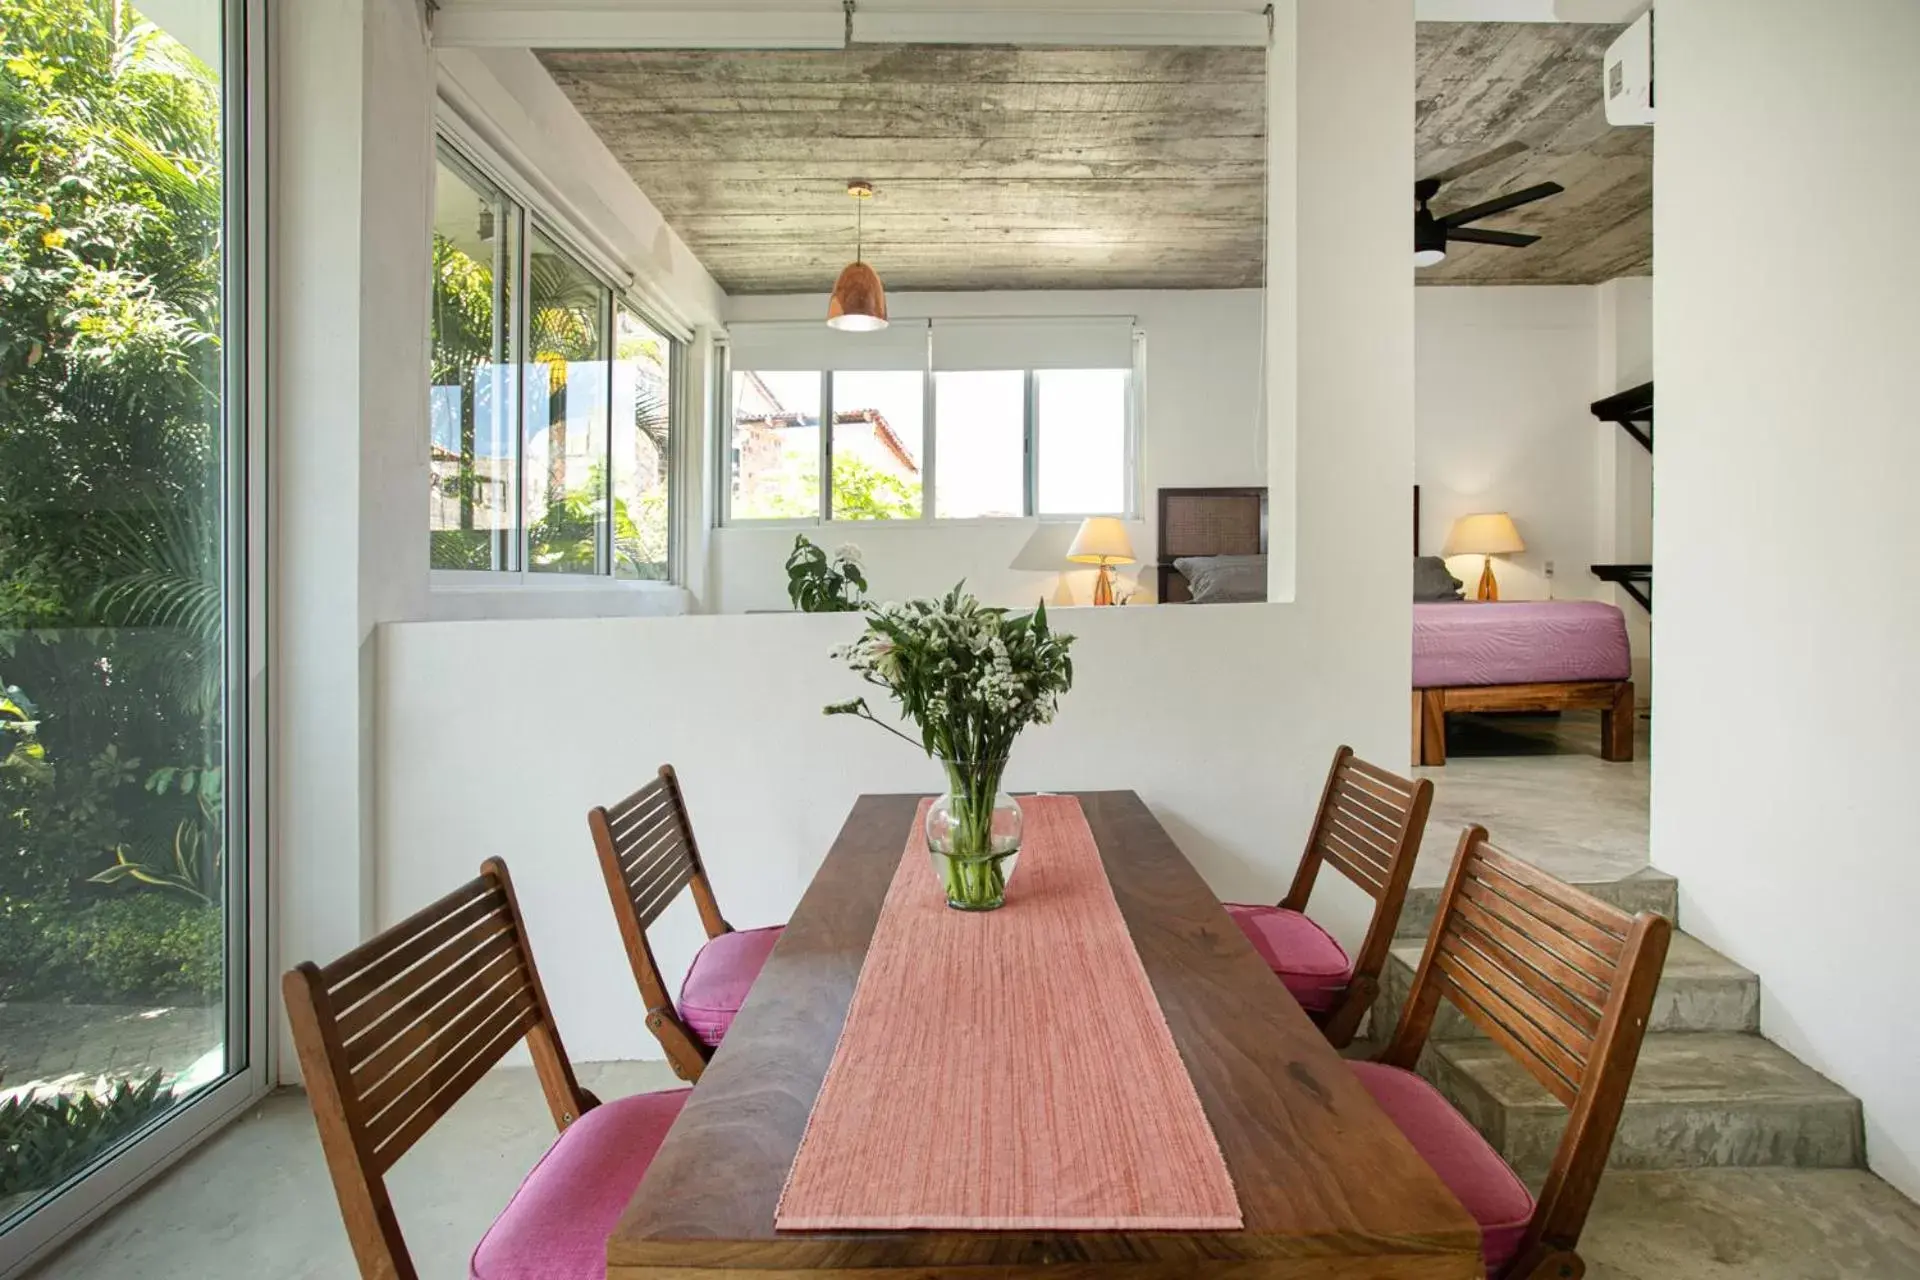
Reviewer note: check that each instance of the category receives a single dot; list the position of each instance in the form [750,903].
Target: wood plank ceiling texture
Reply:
[1109,168]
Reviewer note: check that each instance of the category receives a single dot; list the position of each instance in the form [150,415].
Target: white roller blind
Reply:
[1063,342]
[812,345]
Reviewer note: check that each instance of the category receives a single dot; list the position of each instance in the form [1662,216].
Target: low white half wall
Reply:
[498,736]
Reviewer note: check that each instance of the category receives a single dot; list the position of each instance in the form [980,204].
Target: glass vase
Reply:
[973,835]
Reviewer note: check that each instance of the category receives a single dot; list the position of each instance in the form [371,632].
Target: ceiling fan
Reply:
[1433,232]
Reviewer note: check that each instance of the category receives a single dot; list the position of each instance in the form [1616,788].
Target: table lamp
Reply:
[1487,534]
[1102,540]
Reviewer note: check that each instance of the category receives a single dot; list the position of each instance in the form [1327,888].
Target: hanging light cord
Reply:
[859,229]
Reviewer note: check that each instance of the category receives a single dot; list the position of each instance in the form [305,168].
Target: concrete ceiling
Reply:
[995,168]
[1068,168]
[1483,84]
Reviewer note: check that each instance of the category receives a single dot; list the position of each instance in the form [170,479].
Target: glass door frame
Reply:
[246,486]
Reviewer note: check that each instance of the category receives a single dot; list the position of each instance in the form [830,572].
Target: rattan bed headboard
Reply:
[1207,522]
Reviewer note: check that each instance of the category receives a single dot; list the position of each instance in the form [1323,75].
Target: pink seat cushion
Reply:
[1305,956]
[721,976]
[556,1226]
[1472,1170]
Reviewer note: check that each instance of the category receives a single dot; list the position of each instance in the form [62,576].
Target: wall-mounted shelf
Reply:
[1634,579]
[1632,410]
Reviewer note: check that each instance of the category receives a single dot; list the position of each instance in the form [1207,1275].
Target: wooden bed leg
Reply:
[1616,725]
[1429,727]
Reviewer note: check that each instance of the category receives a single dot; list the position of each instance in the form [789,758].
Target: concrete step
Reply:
[1644,890]
[1704,1099]
[1700,990]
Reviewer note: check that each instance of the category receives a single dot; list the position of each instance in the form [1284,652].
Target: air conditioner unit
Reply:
[1629,75]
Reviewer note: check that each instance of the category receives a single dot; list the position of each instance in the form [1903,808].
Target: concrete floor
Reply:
[1540,788]
[255,1202]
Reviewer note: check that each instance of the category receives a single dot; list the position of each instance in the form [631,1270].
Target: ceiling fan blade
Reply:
[1480,235]
[1479,162]
[1500,204]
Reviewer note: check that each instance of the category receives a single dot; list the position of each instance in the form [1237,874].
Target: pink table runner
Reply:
[1010,1070]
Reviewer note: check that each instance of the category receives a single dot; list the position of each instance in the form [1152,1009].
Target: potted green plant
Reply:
[819,583]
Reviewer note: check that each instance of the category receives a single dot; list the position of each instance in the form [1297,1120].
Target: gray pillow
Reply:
[1224,579]
[1432,581]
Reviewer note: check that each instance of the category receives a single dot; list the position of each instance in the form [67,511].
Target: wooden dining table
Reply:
[1327,1185]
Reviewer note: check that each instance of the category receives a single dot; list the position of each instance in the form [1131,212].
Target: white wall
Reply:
[1506,378]
[352,93]
[1501,424]
[353,90]
[1623,511]
[1224,718]
[1784,750]
[1231,764]
[1203,424]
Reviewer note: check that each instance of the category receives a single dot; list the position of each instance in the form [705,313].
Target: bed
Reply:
[1538,655]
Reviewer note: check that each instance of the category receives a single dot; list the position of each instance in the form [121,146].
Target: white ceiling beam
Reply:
[1060,22]
[637,24]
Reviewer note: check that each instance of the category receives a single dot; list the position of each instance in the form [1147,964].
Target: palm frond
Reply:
[160,568]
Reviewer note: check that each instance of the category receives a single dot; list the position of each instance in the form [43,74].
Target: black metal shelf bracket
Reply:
[1634,579]
[1632,410]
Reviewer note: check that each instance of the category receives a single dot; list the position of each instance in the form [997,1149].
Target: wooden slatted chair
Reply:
[1368,828]
[1563,982]
[648,856]
[393,1033]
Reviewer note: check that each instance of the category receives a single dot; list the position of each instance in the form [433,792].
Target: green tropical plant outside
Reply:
[860,492]
[45,1138]
[564,329]
[864,492]
[111,608]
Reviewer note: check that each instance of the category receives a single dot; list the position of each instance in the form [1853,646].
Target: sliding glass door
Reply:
[127,545]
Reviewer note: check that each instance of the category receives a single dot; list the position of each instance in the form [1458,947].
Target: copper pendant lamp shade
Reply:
[859,302]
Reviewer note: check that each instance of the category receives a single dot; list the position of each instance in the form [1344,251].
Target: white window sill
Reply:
[457,580]
[456,596]
[937,522]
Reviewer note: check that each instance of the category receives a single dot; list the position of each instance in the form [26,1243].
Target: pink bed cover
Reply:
[1517,642]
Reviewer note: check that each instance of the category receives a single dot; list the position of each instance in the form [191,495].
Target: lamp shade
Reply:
[859,301]
[1490,533]
[1101,540]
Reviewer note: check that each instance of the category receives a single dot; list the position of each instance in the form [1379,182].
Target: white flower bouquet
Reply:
[970,678]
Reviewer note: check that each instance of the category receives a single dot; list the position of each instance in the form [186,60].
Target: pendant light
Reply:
[859,302]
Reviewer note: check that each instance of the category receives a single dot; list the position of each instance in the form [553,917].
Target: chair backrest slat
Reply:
[656,895]
[1368,828]
[661,845]
[1367,818]
[1354,858]
[409,1029]
[370,969]
[1561,980]
[1491,1000]
[474,1048]
[393,1033]
[651,815]
[1505,938]
[648,856]
[435,1047]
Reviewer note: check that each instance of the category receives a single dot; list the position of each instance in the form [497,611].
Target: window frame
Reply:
[534,217]
[248,511]
[1132,443]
